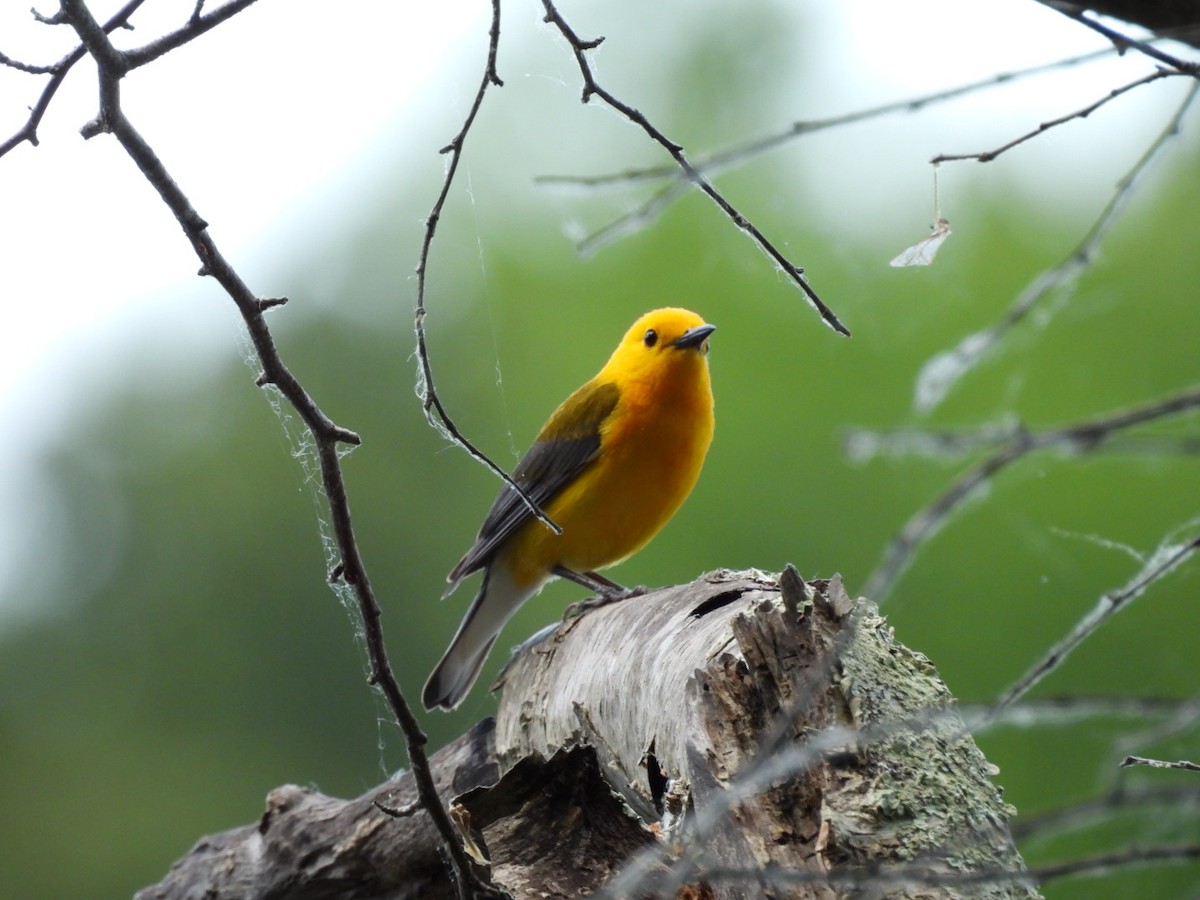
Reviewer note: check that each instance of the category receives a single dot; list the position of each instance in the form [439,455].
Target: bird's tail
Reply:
[456,671]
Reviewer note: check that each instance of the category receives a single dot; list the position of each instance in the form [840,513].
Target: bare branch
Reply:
[1134,856]
[711,164]
[27,68]
[1183,719]
[1079,438]
[634,220]
[865,444]
[58,72]
[1165,560]
[943,371]
[197,24]
[1122,41]
[989,155]
[431,403]
[1159,763]
[327,435]
[591,88]
[915,875]
[1070,710]
[1092,812]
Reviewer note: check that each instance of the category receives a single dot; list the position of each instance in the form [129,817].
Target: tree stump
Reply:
[741,736]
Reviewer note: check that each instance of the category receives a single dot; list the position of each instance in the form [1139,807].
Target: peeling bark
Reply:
[694,742]
[308,846]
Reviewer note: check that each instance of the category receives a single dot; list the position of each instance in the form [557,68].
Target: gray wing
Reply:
[564,448]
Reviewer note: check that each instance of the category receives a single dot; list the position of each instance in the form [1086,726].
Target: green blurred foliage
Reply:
[191,657]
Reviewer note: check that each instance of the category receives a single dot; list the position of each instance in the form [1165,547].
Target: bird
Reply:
[610,467]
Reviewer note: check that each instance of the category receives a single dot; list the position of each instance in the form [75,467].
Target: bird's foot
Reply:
[602,598]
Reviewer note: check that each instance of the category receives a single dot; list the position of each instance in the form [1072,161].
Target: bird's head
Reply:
[663,344]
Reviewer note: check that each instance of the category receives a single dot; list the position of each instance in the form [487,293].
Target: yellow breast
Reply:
[653,446]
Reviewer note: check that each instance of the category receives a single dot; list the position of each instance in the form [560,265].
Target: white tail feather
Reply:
[494,605]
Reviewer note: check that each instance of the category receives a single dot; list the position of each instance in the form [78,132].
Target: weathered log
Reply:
[740,736]
[308,846]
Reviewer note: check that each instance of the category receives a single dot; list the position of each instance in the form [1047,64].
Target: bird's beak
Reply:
[693,337]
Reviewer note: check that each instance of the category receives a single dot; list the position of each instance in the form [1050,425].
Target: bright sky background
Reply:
[78,267]
[73,259]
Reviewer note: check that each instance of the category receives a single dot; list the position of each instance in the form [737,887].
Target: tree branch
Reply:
[431,403]
[1122,41]
[989,155]
[1078,438]
[1165,560]
[942,372]
[112,65]
[865,444]
[1092,812]
[1160,763]
[591,88]
[58,72]
[730,158]
[916,876]
[197,25]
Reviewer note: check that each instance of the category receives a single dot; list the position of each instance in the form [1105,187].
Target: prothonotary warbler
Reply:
[610,467]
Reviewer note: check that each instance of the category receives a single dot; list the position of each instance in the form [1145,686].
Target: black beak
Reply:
[693,337]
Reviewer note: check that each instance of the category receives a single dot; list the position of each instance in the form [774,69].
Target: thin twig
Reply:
[864,444]
[327,435]
[943,371]
[1182,720]
[734,156]
[27,68]
[989,155]
[1081,437]
[1068,711]
[634,220]
[1166,560]
[131,59]
[1129,761]
[592,88]
[741,152]
[917,875]
[58,72]
[1122,41]
[1088,813]
[431,403]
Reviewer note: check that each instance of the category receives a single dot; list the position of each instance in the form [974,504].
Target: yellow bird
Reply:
[610,467]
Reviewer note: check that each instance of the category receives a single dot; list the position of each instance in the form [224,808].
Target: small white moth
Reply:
[922,252]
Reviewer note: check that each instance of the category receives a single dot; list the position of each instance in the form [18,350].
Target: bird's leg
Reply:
[592,581]
[606,590]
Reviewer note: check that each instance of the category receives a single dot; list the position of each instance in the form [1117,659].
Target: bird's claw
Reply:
[577,609]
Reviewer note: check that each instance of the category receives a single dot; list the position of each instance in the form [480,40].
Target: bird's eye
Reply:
[650,338]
